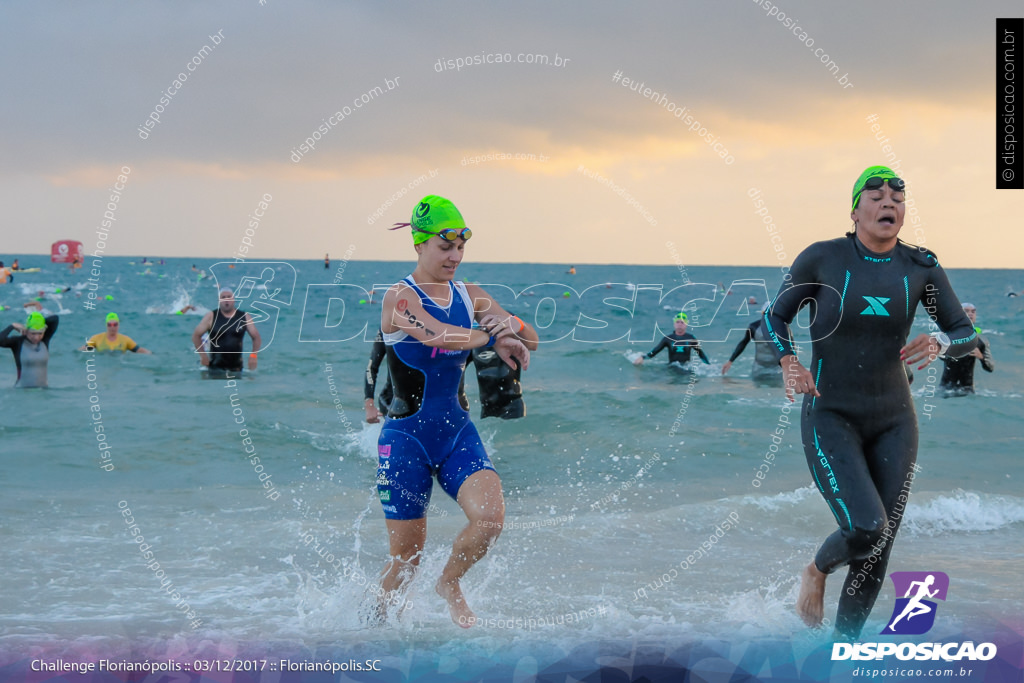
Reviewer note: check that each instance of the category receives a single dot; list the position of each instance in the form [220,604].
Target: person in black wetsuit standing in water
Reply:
[226,327]
[958,375]
[858,425]
[766,369]
[680,344]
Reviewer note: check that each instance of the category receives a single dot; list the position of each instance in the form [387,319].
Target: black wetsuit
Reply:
[679,346]
[377,354]
[36,357]
[958,375]
[860,435]
[226,335]
[501,395]
[766,366]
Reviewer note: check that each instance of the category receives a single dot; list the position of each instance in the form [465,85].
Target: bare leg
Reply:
[810,604]
[406,538]
[481,499]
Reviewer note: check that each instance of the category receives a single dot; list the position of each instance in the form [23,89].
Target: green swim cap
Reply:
[681,316]
[35,321]
[883,172]
[112,318]
[434,214]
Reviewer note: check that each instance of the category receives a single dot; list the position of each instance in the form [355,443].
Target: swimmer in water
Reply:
[680,344]
[958,375]
[427,326]
[32,349]
[112,339]
[858,424]
[226,327]
[766,368]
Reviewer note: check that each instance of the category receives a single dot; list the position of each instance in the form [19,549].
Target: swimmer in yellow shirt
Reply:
[112,339]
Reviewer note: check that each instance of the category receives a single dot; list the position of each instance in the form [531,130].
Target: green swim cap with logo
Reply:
[35,321]
[681,316]
[112,318]
[433,214]
[883,172]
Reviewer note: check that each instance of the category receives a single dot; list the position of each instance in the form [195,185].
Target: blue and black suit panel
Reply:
[427,432]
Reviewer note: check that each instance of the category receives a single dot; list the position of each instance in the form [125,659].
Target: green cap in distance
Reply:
[35,321]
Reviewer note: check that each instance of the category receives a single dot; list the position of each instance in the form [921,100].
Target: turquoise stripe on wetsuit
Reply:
[427,432]
[860,435]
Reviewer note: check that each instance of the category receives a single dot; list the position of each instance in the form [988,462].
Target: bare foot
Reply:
[810,605]
[457,607]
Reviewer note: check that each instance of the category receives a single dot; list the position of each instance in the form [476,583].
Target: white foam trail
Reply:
[962,511]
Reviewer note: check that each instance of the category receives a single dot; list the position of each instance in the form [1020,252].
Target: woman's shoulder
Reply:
[823,250]
[920,255]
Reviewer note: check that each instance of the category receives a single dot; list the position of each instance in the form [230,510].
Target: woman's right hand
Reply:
[372,414]
[508,348]
[798,379]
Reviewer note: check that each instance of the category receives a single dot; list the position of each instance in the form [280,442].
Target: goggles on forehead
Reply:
[448,234]
[876,183]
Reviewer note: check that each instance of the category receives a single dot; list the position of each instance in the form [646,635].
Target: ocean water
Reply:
[613,481]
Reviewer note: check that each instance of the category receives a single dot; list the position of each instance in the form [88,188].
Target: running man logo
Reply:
[261,288]
[876,306]
[913,614]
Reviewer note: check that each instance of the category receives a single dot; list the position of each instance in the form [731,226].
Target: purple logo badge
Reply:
[914,612]
[385,452]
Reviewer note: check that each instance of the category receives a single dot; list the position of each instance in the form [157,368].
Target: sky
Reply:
[548,163]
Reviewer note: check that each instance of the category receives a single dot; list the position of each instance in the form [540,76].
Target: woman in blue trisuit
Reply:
[427,324]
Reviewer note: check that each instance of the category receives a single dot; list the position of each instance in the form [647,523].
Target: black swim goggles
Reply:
[876,183]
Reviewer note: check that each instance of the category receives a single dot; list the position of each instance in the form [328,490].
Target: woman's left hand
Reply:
[497,327]
[924,348]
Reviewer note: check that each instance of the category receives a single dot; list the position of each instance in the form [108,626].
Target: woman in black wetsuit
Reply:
[858,425]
